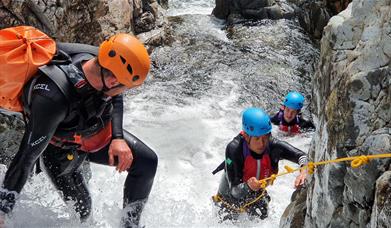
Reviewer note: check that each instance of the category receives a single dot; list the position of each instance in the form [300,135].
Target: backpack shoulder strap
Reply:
[57,75]
[75,52]
[67,53]
[246,150]
[76,48]
[280,115]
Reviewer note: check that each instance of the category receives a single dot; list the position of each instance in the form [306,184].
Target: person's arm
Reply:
[291,153]
[288,152]
[118,146]
[48,109]
[117,117]
[276,118]
[234,170]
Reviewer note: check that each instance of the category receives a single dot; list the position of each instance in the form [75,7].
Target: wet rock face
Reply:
[351,101]
[81,21]
[336,6]
[222,9]
[381,212]
[11,133]
[251,9]
[295,212]
[314,15]
[163,3]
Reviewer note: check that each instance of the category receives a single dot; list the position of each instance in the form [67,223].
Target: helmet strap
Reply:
[105,88]
[246,136]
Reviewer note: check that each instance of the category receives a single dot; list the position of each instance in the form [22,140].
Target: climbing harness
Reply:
[241,209]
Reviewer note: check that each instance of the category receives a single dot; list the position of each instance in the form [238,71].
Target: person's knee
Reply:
[146,165]
[152,163]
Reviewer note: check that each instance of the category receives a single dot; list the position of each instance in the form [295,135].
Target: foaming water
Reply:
[178,7]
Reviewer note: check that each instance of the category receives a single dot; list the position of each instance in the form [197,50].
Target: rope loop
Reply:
[311,167]
[357,162]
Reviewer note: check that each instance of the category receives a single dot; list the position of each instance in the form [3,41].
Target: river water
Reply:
[187,111]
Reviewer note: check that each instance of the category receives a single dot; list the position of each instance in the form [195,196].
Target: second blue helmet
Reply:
[255,122]
[294,100]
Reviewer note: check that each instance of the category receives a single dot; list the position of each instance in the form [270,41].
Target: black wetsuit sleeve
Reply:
[275,120]
[48,108]
[117,117]
[234,170]
[286,151]
[305,124]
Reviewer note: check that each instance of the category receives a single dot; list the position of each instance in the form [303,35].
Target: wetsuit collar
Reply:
[86,88]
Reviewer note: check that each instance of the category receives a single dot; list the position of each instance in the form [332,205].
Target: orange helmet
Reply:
[126,57]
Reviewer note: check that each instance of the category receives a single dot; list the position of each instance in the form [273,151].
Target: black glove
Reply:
[7,200]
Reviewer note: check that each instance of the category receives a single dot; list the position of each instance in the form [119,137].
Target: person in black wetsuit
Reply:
[81,119]
[251,156]
[289,118]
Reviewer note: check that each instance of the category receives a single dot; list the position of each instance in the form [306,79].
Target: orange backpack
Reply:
[22,50]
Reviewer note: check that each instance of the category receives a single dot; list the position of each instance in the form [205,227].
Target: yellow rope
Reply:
[255,200]
[357,161]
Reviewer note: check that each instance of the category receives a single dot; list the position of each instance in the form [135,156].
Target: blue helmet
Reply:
[255,122]
[294,100]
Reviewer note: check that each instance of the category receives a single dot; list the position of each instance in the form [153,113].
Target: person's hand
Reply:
[253,183]
[120,148]
[300,180]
